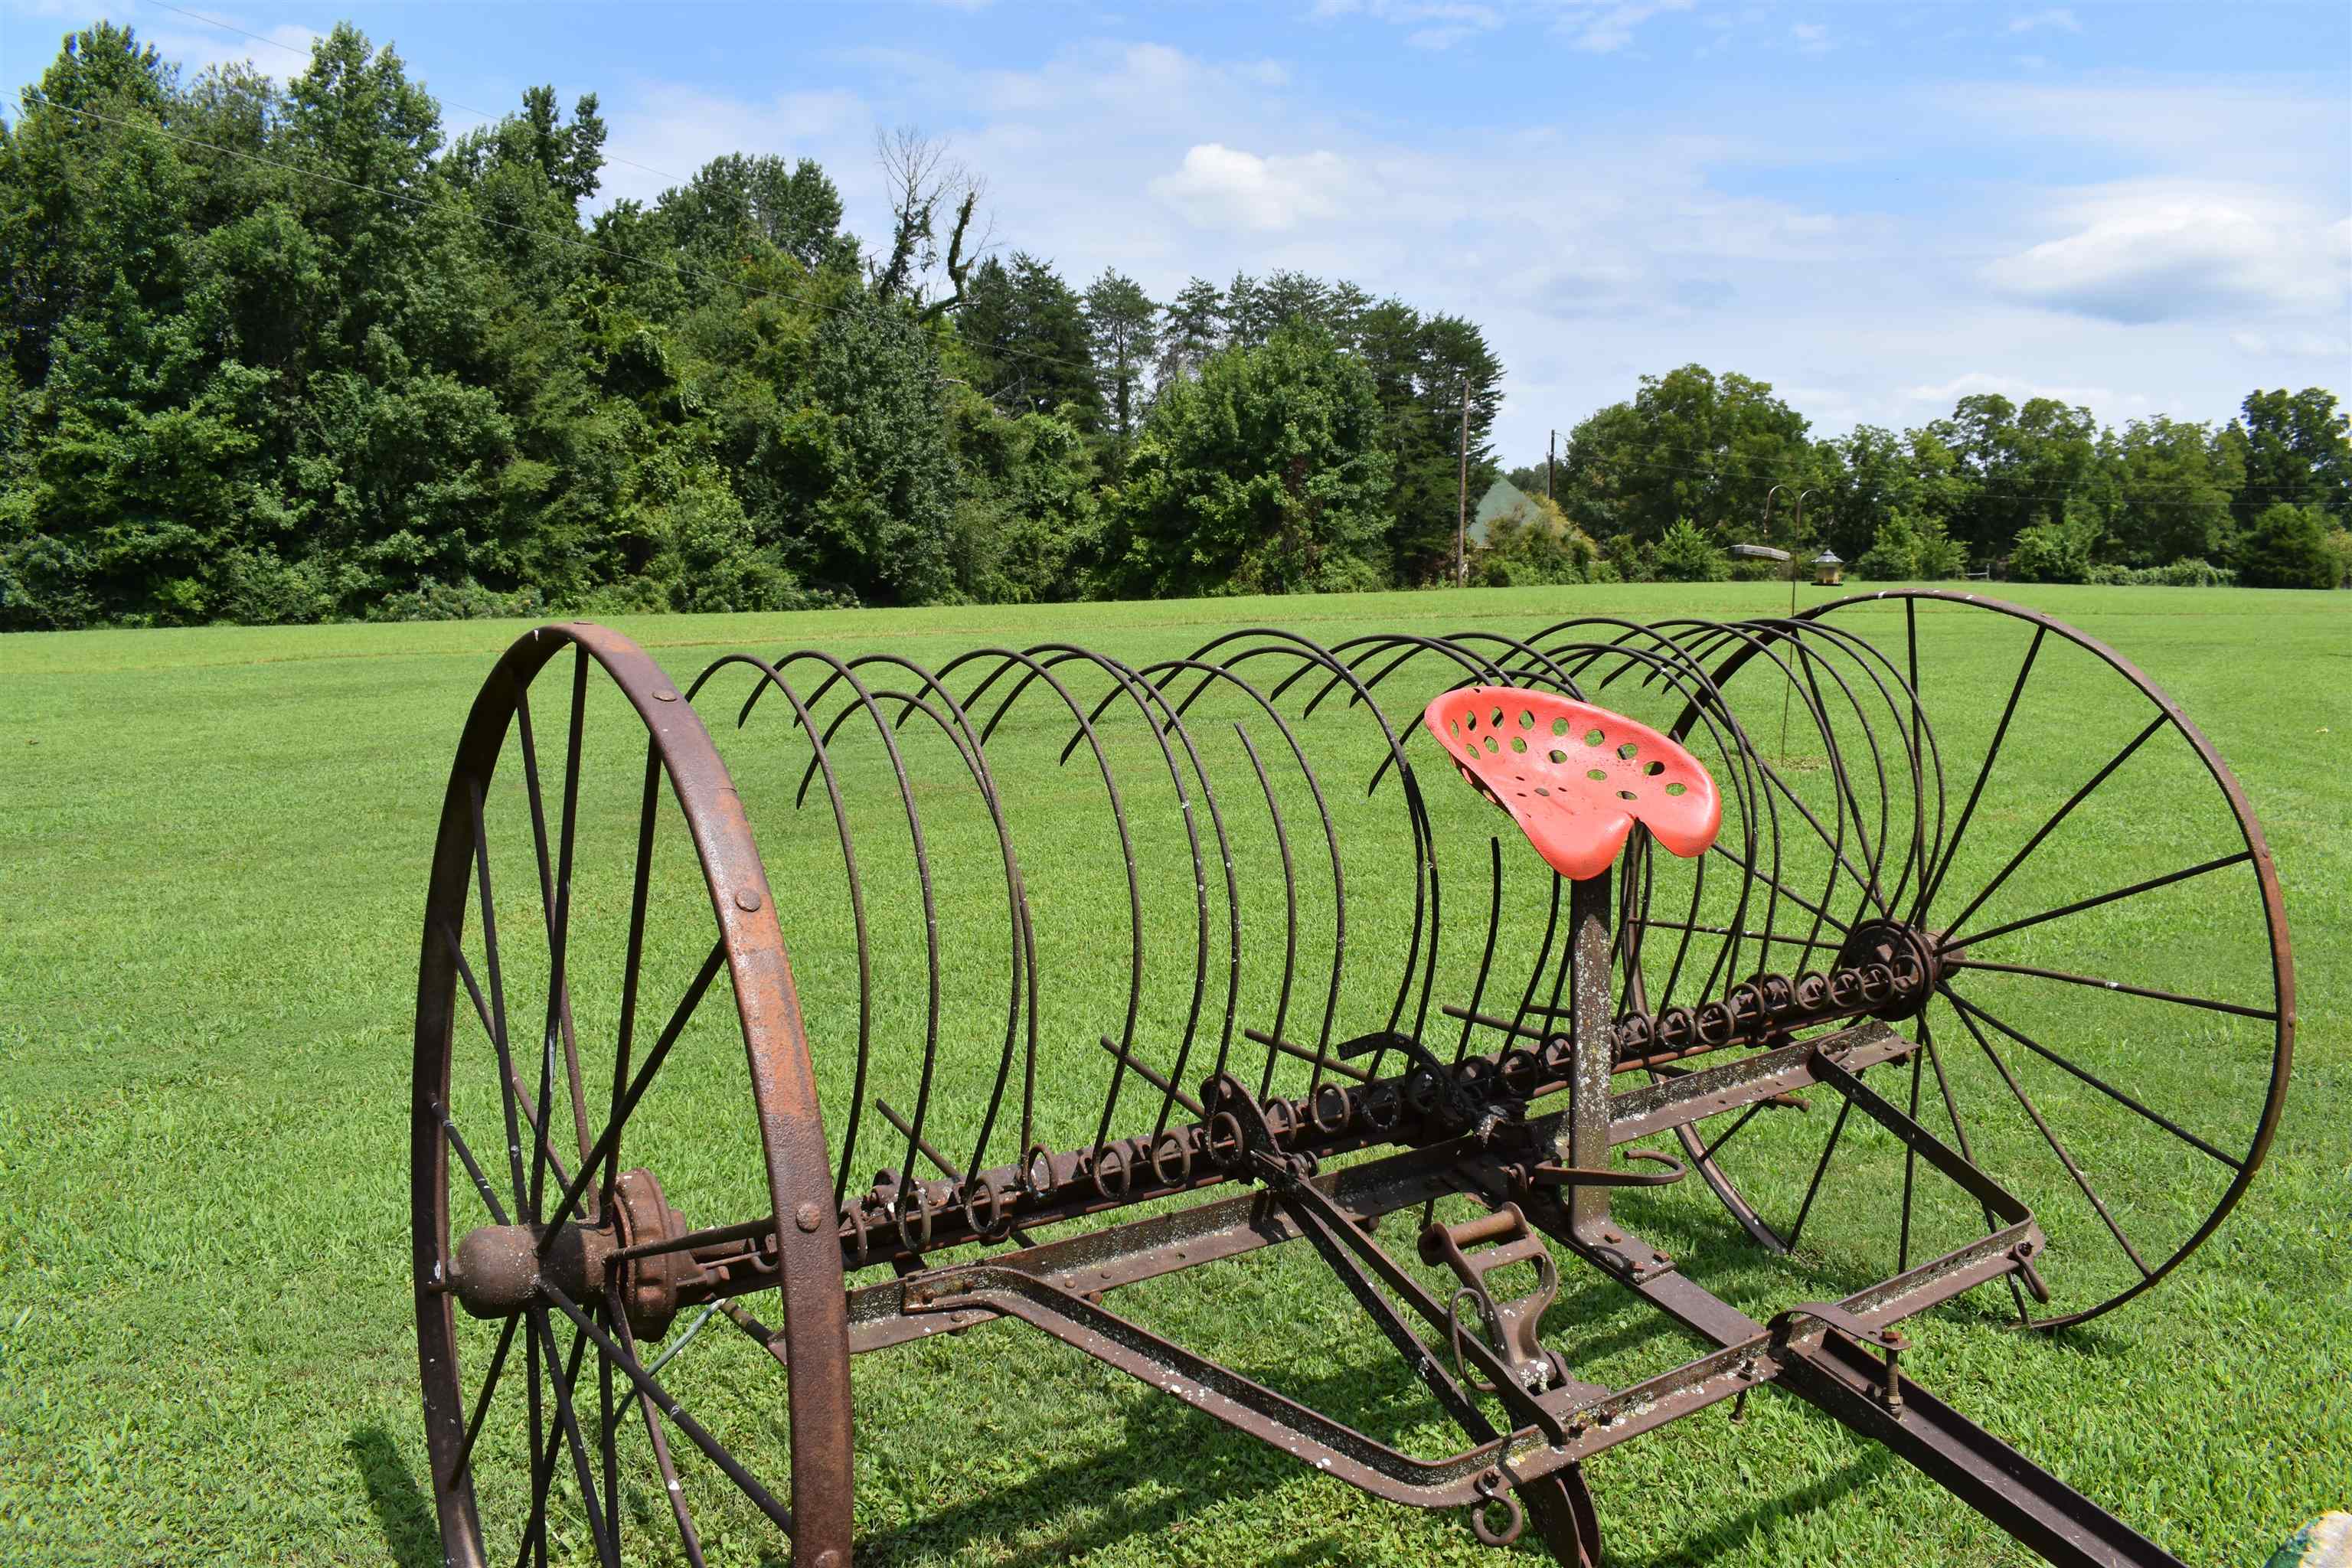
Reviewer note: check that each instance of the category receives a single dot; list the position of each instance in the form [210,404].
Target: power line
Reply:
[1737,470]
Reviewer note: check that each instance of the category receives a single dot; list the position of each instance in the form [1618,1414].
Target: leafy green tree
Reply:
[1027,330]
[737,206]
[1029,518]
[1690,445]
[1122,322]
[2172,490]
[2054,551]
[2289,547]
[2024,466]
[2291,448]
[1539,548]
[1188,334]
[1265,475]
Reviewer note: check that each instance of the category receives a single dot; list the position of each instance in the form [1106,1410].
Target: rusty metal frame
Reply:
[595,1249]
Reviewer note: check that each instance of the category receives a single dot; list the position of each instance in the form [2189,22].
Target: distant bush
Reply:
[1523,550]
[1911,549]
[463,601]
[1686,555]
[2176,575]
[2289,547]
[2052,553]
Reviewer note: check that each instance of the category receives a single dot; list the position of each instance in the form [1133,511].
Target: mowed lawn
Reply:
[213,857]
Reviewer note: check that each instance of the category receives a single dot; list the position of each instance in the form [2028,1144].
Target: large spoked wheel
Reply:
[2112,1027]
[579,1088]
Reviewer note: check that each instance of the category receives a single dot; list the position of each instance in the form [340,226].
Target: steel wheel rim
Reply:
[2280,1015]
[797,1173]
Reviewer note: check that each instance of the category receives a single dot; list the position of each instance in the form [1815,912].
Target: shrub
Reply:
[1531,552]
[2175,575]
[1911,549]
[2288,547]
[2052,553]
[1687,555]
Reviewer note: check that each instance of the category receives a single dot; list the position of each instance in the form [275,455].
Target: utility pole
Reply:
[1462,500]
[1550,443]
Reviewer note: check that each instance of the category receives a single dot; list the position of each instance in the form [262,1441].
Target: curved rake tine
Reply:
[1146,697]
[1038,672]
[807,720]
[1161,674]
[1486,955]
[1427,891]
[1015,915]
[969,746]
[862,700]
[1425,855]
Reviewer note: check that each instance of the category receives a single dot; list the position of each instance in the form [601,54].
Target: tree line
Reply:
[284,352]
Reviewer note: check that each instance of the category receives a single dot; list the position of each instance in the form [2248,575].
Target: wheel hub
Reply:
[499,1270]
[1908,950]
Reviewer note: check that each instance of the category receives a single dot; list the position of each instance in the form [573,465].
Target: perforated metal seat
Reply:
[1575,777]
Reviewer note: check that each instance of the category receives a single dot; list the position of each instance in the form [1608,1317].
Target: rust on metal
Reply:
[1329,986]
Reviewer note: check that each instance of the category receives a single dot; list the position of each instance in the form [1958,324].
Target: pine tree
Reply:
[1122,321]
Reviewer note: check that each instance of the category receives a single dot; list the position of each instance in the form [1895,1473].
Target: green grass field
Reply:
[213,857]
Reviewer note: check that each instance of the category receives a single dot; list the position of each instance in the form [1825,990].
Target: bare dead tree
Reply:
[923,183]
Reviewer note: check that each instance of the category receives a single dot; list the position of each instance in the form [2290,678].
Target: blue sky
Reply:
[1876,207]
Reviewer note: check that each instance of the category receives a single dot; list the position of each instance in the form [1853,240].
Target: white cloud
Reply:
[1219,186]
[2060,18]
[1607,27]
[2154,251]
[1593,247]
[2296,345]
[2016,389]
[1811,37]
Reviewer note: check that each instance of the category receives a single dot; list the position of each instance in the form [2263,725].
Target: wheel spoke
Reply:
[482,1402]
[1960,1136]
[517,1100]
[1802,902]
[543,1454]
[688,1537]
[1837,1131]
[557,899]
[2049,1137]
[711,1447]
[2094,782]
[602,1153]
[2267,1015]
[1984,770]
[494,1016]
[632,968]
[569,1419]
[1744,1118]
[2150,885]
[473,1167]
[2118,1095]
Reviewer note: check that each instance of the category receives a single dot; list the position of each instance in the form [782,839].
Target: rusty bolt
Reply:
[808,1216]
[747,901]
[663,694]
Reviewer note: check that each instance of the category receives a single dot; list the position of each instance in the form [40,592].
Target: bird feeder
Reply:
[1826,570]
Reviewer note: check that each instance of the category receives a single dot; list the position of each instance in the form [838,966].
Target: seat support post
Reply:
[1583,1141]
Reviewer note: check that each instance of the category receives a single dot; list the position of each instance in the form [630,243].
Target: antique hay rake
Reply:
[1941,860]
